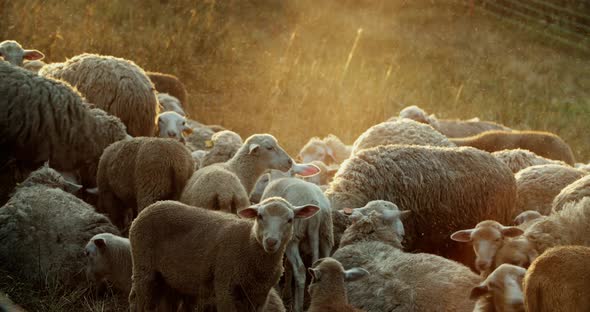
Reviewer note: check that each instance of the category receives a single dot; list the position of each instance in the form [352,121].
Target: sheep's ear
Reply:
[93,191]
[100,243]
[72,188]
[33,55]
[253,148]
[305,170]
[355,274]
[315,274]
[511,231]
[248,213]
[478,291]
[404,214]
[462,236]
[306,211]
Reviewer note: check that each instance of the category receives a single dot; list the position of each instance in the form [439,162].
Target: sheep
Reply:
[518,159]
[234,261]
[34,66]
[200,136]
[116,85]
[44,229]
[537,186]
[225,144]
[447,189]
[109,259]
[170,84]
[13,53]
[544,144]
[501,290]
[327,290]
[572,193]
[558,280]
[450,128]
[226,186]
[397,280]
[135,173]
[328,150]
[403,131]
[170,103]
[315,233]
[527,216]
[173,125]
[43,119]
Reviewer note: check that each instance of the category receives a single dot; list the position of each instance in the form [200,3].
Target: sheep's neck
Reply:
[246,168]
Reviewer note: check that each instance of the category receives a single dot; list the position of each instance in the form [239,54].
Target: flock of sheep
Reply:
[104,179]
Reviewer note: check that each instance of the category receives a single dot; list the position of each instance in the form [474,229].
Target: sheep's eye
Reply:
[260,217]
[290,220]
[183,123]
[270,148]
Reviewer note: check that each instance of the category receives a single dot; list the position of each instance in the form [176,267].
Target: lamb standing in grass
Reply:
[234,261]
[13,53]
[572,193]
[518,159]
[501,291]
[226,186]
[172,125]
[327,290]
[109,259]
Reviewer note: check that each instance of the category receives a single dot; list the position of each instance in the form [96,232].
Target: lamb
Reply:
[170,103]
[328,150]
[403,131]
[173,125]
[13,53]
[109,259]
[572,193]
[135,173]
[234,261]
[447,189]
[397,278]
[537,186]
[170,84]
[43,119]
[544,144]
[501,290]
[314,236]
[116,85]
[225,144]
[518,159]
[226,186]
[558,279]
[44,228]
[327,286]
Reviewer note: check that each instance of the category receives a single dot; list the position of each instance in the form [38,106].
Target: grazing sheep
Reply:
[226,186]
[116,85]
[44,229]
[136,173]
[403,131]
[109,259]
[34,66]
[328,150]
[173,125]
[234,261]
[327,290]
[544,144]
[13,53]
[44,119]
[398,279]
[527,216]
[170,84]
[314,236]
[170,103]
[518,159]
[537,186]
[226,144]
[447,189]
[572,193]
[501,291]
[558,280]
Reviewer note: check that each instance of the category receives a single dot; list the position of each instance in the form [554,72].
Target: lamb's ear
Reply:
[33,55]
[462,236]
[355,274]
[306,211]
[248,213]
[315,274]
[100,243]
[511,231]
[253,148]
[93,191]
[305,170]
[478,291]
[72,188]
[404,214]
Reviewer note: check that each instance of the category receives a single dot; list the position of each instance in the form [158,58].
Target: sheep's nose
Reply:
[482,265]
[271,242]
[290,162]
[171,134]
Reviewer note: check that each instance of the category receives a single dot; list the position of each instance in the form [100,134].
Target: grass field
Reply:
[304,68]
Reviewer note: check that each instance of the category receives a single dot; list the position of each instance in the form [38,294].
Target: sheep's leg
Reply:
[314,242]
[294,258]
[224,300]
[110,205]
[142,290]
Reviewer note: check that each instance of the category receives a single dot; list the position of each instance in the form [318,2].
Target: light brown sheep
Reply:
[136,173]
[166,83]
[327,290]
[544,144]
[572,193]
[501,291]
[558,280]
[234,262]
[518,159]
[109,259]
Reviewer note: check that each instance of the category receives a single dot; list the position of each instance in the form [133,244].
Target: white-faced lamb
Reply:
[572,193]
[13,53]
[518,159]
[172,125]
[234,262]
[501,291]
[109,259]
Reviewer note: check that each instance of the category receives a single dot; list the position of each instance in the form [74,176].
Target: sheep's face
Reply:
[269,154]
[273,224]
[389,210]
[328,274]
[97,266]
[172,125]
[487,237]
[376,226]
[13,53]
[504,286]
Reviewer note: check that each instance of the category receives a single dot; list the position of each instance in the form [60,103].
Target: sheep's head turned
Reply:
[503,288]
[415,113]
[12,52]
[527,216]
[487,238]
[273,224]
[316,149]
[375,226]
[97,265]
[328,273]
[268,152]
[173,125]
